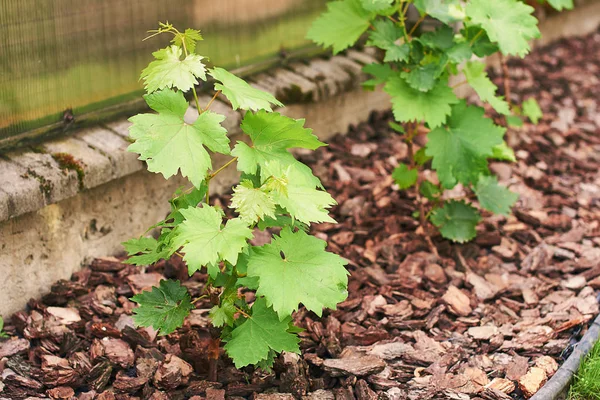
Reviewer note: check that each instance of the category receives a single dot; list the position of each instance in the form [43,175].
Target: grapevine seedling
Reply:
[416,72]
[275,191]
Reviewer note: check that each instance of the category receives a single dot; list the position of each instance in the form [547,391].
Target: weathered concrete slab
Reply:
[114,147]
[93,167]
[55,183]
[22,192]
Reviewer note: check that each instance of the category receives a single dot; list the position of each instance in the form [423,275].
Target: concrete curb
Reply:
[61,168]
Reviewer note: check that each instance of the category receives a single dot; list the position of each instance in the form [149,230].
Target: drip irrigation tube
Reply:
[556,388]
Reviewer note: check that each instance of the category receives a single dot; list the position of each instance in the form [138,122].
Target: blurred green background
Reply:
[87,55]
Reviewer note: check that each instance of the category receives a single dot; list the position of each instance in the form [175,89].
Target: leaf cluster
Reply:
[416,70]
[276,191]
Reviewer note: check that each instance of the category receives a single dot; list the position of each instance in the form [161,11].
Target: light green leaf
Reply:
[385,36]
[293,190]
[494,197]
[447,11]
[479,81]
[164,308]
[509,23]
[405,177]
[168,144]
[341,25]
[532,110]
[205,241]
[514,120]
[272,135]
[295,268]
[441,39]
[421,78]
[381,72]
[189,37]
[460,52]
[461,150]
[149,247]
[429,190]
[240,93]
[503,152]
[560,4]
[456,221]
[253,204]
[222,315]
[169,71]
[378,5]
[262,332]
[409,104]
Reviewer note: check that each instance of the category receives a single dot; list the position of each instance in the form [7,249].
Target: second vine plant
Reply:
[415,72]
[275,191]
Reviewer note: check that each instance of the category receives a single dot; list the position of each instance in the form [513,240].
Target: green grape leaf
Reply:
[429,190]
[421,78]
[378,5]
[240,93]
[456,221]
[168,144]
[272,135]
[188,38]
[447,11]
[461,150]
[408,104]
[532,110]
[441,39]
[295,268]
[385,36]
[381,72]
[460,52]
[341,25]
[514,120]
[503,152]
[560,4]
[405,177]
[421,157]
[479,41]
[222,315]
[2,334]
[263,331]
[479,81]
[397,53]
[509,23]
[494,197]
[169,71]
[253,204]
[186,200]
[206,242]
[149,247]
[164,308]
[297,193]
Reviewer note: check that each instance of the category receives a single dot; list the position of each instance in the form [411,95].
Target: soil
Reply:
[491,319]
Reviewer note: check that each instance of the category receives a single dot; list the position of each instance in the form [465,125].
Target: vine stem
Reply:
[242,312]
[411,131]
[211,101]
[227,164]
[416,25]
[459,84]
[476,37]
